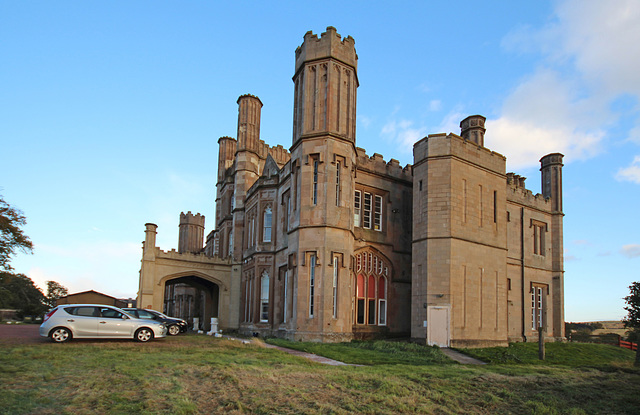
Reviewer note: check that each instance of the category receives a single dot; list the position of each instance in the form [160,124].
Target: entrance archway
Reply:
[190,297]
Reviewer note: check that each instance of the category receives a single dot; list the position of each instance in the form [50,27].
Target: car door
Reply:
[112,323]
[84,321]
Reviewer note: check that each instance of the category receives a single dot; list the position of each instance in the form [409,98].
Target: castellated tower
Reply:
[325,84]
[323,158]
[191,236]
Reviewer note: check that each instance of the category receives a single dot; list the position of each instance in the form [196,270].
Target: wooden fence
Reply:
[628,345]
[609,338]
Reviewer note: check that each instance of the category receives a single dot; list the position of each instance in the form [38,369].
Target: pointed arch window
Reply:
[372,274]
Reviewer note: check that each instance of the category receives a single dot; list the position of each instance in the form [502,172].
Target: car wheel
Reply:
[174,330]
[60,335]
[144,335]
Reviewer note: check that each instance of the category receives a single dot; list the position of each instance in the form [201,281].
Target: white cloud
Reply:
[364,120]
[403,133]
[603,37]
[634,135]
[631,173]
[590,57]
[631,251]
[451,122]
[435,105]
[542,116]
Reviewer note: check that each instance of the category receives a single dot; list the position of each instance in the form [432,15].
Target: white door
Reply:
[438,326]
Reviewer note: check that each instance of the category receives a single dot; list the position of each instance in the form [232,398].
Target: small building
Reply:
[94,297]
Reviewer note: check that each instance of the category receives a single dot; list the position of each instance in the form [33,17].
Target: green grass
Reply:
[201,375]
[565,354]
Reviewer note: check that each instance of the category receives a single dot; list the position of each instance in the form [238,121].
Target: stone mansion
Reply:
[322,242]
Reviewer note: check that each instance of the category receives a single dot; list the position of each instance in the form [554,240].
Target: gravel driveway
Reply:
[20,334]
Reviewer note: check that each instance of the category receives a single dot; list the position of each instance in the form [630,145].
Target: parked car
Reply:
[95,321]
[174,325]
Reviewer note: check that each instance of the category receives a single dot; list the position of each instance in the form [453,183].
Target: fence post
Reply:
[541,351]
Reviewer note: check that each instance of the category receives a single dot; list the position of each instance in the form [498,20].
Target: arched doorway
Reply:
[190,297]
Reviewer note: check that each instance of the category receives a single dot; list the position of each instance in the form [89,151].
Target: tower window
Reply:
[495,206]
[366,222]
[264,297]
[312,283]
[377,214]
[356,208]
[539,230]
[335,286]
[537,306]
[315,182]
[338,183]
[266,224]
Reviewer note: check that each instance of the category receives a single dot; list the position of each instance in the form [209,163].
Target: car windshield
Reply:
[130,313]
[162,315]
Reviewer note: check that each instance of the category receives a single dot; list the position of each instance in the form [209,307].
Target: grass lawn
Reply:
[199,375]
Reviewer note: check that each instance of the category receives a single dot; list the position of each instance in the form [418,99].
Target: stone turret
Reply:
[472,129]
[325,86]
[249,109]
[551,168]
[191,236]
[226,154]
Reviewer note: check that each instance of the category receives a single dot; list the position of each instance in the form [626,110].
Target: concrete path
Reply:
[452,354]
[310,356]
[461,357]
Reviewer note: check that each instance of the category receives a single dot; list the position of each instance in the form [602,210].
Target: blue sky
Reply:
[110,114]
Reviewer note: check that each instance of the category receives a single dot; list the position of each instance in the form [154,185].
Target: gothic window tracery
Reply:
[372,276]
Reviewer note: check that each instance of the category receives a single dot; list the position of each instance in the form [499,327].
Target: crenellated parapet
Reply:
[330,44]
[279,154]
[377,165]
[191,257]
[445,145]
[518,193]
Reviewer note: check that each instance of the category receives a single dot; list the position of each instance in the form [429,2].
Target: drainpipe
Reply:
[524,337]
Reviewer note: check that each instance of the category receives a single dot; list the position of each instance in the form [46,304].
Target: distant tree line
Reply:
[586,328]
[17,291]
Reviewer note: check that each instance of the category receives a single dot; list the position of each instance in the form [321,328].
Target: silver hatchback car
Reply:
[95,321]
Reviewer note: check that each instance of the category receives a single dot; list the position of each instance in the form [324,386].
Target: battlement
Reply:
[191,257]
[439,145]
[226,138]
[191,219]
[523,196]
[279,154]
[376,164]
[248,96]
[329,45]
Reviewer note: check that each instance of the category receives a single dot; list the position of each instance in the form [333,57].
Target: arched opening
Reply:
[191,297]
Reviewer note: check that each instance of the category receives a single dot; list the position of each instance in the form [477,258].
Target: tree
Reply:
[17,291]
[632,320]
[11,235]
[54,291]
